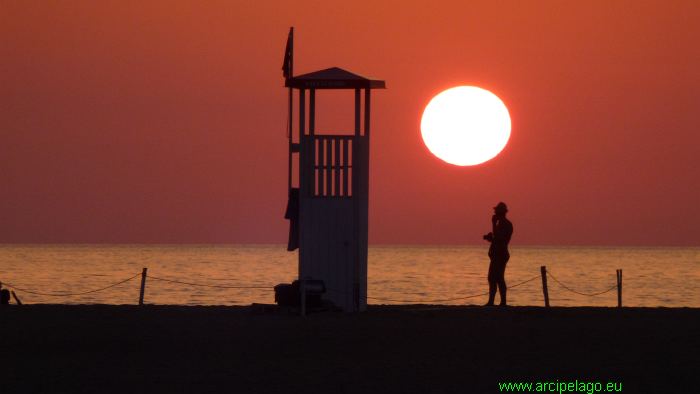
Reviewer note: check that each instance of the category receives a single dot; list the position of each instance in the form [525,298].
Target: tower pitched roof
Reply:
[333,78]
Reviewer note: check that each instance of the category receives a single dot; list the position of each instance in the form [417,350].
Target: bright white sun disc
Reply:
[465,125]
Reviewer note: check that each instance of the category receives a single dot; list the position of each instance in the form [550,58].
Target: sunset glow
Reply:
[465,125]
[165,122]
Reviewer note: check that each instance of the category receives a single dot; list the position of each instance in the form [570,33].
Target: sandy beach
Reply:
[408,349]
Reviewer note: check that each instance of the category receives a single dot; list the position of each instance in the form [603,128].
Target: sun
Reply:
[465,125]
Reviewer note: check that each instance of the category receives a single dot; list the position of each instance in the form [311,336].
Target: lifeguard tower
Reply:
[328,206]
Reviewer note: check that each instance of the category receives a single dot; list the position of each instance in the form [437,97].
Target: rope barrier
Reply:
[422,301]
[427,301]
[440,300]
[579,293]
[68,294]
[204,285]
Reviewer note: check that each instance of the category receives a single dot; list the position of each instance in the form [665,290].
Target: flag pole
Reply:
[289,73]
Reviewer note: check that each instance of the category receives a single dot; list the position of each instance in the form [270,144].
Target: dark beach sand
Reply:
[419,349]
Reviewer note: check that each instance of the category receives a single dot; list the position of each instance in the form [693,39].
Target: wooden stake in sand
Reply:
[143,285]
[619,288]
[543,271]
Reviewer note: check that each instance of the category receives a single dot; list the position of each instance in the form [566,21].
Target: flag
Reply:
[288,62]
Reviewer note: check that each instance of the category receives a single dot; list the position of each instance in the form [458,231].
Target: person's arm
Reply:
[503,232]
[500,233]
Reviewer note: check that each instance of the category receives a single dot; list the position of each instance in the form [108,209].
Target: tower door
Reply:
[328,224]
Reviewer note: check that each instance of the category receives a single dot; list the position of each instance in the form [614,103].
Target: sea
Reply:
[447,275]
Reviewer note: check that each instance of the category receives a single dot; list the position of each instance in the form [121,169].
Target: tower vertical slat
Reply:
[336,169]
[312,111]
[367,107]
[320,161]
[290,131]
[329,167]
[307,151]
[357,112]
[302,111]
[356,171]
[346,161]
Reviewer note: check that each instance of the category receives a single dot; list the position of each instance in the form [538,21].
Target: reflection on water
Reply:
[651,276]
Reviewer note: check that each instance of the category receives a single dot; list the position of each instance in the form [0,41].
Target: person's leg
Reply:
[492,283]
[501,278]
[502,289]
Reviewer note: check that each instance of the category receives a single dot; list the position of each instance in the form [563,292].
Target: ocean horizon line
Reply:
[377,245]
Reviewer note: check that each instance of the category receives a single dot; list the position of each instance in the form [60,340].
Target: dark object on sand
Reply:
[287,295]
[290,294]
[4,297]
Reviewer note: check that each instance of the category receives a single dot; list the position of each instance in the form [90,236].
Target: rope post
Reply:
[545,291]
[619,288]
[302,289]
[143,285]
[17,300]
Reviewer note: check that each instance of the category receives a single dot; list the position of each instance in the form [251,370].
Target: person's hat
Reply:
[501,206]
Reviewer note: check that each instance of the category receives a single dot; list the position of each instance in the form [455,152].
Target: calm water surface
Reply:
[397,274]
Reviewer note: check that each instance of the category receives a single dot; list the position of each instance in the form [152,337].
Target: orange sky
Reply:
[165,122]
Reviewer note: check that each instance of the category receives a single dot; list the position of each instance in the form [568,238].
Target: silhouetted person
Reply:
[502,230]
[4,297]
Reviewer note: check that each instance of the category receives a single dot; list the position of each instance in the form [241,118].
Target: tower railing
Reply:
[332,164]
